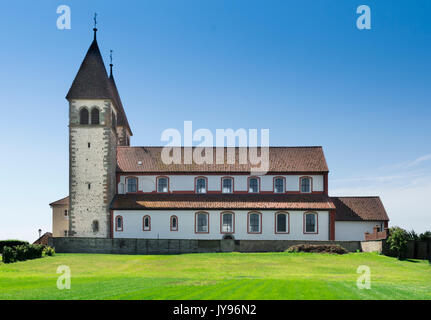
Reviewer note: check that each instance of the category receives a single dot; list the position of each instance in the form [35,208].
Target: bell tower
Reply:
[95,116]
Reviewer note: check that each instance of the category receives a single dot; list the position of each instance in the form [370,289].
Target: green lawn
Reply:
[216,276]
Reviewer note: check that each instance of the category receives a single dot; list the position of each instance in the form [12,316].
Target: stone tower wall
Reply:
[92,160]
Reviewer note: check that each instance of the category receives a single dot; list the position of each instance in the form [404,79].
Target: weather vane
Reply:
[110,55]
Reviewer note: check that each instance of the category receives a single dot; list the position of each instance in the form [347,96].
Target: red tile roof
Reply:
[359,209]
[220,202]
[63,201]
[281,159]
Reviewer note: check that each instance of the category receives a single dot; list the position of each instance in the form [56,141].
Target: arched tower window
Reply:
[95,116]
[114,121]
[83,116]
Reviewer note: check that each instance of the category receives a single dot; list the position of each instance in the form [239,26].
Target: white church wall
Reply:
[160,225]
[354,230]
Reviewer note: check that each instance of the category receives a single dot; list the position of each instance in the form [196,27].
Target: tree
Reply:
[397,241]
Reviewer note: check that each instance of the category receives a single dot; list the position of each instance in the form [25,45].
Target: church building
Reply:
[121,191]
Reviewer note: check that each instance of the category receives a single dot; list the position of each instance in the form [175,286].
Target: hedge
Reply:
[318,248]
[10,243]
[22,252]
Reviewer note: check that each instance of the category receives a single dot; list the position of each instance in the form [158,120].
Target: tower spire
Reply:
[95,24]
[110,64]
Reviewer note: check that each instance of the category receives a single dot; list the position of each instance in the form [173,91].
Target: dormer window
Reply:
[132,184]
[201,185]
[305,184]
[279,185]
[227,185]
[162,184]
[253,185]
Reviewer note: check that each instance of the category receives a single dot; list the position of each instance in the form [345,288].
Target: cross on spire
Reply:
[95,24]
[110,65]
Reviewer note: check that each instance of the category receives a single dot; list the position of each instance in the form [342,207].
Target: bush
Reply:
[22,252]
[48,251]
[10,244]
[9,255]
[318,248]
[397,242]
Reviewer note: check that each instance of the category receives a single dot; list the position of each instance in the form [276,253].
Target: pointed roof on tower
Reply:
[91,81]
[121,118]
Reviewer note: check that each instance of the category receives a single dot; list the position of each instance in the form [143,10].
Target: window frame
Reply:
[316,227]
[248,222]
[157,184]
[127,184]
[171,224]
[221,222]
[276,222]
[284,184]
[258,184]
[116,223]
[196,185]
[80,116]
[233,184]
[91,115]
[311,184]
[149,223]
[196,222]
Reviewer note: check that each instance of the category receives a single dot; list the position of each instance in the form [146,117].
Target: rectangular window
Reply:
[279,185]
[310,223]
[254,223]
[227,222]
[253,185]
[132,185]
[282,222]
[227,185]
[202,223]
[201,185]
[305,185]
[162,185]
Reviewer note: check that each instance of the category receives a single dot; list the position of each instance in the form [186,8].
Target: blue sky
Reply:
[300,68]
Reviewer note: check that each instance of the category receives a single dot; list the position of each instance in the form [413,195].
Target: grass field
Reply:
[216,276]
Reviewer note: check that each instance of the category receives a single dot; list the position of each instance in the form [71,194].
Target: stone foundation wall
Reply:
[175,246]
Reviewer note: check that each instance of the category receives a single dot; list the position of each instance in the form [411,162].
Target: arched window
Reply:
[279,185]
[253,185]
[95,116]
[305,184]
[132,184]
[83,116]
[201,185]
[174,223]
[162,184]
[147,223]
[282,222]
[227,222]
[227,185]
[118,223]
[202,222]
[254,224]
[310,222]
